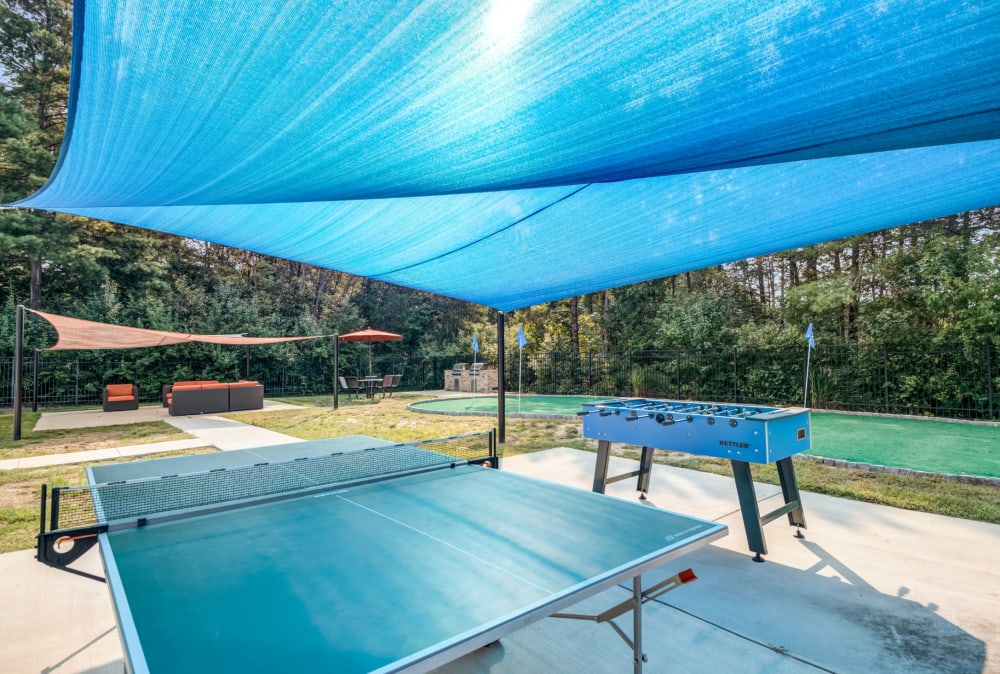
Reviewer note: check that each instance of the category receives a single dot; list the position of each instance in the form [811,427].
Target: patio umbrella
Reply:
[369,335]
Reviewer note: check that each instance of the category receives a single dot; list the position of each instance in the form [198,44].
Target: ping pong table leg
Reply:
[601,467]
[634,604]
[637,654]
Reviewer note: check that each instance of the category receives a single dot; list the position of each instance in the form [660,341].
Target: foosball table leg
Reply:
[602,480]
[753,521]
[645,469]
[601,468]
[748,507]
[790,491]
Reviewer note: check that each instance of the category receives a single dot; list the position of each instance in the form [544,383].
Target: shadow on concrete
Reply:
[836,623]
[115,666]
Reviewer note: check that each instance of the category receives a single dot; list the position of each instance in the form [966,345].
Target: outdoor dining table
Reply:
[370,383]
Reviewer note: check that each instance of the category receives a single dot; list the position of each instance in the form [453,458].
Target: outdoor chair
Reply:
[390,382]
[349,385]
[120,397]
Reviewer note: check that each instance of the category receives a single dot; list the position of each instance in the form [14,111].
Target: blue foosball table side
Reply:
[743,434]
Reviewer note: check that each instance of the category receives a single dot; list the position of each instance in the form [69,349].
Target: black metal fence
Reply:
[957,382]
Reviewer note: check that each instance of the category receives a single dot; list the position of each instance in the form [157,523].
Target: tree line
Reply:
[932,283]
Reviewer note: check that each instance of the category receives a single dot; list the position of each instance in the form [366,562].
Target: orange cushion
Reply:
[195,382]
[209,386]
[241,384]
[120,399]
[120,390]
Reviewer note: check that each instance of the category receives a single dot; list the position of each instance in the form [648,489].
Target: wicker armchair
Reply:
[120,397]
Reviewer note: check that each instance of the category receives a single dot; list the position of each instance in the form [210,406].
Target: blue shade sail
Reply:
[517,151]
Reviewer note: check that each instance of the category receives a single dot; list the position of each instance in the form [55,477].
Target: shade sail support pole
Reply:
[501,371]
[18,354]
[336,371]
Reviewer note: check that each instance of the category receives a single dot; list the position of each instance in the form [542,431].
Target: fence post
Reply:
[677,394]
[989,380]
[885,376]
[735,377]
[628,363]
[76,383]
[34,382]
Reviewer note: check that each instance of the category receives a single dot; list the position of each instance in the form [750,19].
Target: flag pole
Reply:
[522,341]
[520,357]
[474,373]
[805,388]
[810,345]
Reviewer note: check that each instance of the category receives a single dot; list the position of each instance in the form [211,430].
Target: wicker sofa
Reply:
[246,395]
[168,389]
[212,397]
[119,397]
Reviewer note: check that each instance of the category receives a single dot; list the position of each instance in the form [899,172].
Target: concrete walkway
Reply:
[209,430]
[870,589]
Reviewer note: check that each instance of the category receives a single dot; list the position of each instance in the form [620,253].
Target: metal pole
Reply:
[637,654]
[735,376]
[18,351]
[34,382]
[989,381]
[336,371]
[501,388]
[520,364]
[629,361]
[885,376]
[805,386]
[678,373]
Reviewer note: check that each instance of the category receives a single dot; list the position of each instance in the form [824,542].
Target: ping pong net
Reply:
[77,514]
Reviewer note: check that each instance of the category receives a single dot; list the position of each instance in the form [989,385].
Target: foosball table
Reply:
[744,434]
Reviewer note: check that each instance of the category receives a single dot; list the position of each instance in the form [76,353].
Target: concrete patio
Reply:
[870,589]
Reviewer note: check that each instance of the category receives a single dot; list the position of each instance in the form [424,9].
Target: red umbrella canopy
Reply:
[369,335]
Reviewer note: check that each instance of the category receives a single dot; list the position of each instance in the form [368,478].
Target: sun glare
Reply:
[505,21]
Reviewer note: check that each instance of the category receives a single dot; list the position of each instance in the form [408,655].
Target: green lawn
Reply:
[924,445]
[390,419]
[918,444]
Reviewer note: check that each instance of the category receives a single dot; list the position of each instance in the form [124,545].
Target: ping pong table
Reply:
[352,555]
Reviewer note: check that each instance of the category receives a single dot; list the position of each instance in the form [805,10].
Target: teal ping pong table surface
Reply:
[402,574]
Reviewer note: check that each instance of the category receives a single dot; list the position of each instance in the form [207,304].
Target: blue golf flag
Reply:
[475,343]
[522,341]
[809,337]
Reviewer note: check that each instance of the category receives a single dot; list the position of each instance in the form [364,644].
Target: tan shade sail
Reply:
[76,333]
